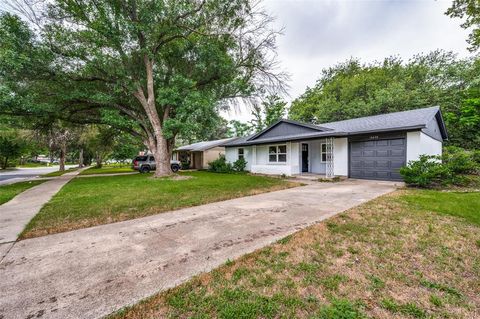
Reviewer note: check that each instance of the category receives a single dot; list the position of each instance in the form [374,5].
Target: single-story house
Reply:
[373,147]
[198,155]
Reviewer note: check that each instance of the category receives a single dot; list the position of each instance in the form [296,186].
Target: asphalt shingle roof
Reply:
[412,119]
[203,146]
[405,119]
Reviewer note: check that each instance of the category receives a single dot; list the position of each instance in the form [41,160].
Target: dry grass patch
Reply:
[384,259]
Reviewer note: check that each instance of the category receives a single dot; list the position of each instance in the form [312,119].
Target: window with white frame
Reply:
[277,154]
[241,153]
[323,152]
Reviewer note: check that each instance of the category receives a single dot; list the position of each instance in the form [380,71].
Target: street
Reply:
[14,175]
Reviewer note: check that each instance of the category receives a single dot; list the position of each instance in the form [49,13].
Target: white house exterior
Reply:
[373,147]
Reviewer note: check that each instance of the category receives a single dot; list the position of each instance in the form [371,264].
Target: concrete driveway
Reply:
[92,272]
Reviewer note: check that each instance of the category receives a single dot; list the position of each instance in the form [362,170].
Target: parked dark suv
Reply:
[146,163]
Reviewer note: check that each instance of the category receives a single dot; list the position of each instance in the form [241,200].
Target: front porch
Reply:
[320,158]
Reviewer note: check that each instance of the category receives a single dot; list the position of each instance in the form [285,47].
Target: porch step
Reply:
[309,177]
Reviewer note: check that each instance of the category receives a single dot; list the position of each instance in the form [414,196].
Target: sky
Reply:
[322,33]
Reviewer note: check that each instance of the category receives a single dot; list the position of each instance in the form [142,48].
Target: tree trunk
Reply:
[157,143]
[98,160]
[80,158]
[63,152]
[5,163]
[162,158]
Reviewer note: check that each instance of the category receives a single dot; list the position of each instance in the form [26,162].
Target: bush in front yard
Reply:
[220,165]
[459,161]
[427,171]
[476,157]
[452,168]
[185,165]
[240,165]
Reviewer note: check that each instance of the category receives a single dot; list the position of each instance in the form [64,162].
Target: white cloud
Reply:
[319,34]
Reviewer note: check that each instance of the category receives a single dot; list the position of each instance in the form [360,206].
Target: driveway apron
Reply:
[92,272]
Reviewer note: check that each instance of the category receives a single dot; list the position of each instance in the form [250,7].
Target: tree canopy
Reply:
[271,109]
[352,89]
[470,11]
[157,69]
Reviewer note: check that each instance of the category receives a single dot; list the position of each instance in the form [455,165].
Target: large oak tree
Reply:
[155,68]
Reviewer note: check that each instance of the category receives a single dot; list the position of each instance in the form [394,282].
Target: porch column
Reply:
[254,155]
[329,165]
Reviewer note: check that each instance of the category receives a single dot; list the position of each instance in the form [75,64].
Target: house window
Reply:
[277,154]
[323,152]
[241,154]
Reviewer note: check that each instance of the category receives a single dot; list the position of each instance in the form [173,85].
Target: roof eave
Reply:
[336,134]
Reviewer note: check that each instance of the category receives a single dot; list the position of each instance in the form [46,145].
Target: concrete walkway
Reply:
[16,213]
[92,272]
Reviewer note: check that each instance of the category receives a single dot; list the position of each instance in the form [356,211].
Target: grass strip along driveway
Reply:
[409,254]
[7,192]
[86,202]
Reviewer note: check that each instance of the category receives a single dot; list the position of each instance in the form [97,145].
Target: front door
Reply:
[304,157]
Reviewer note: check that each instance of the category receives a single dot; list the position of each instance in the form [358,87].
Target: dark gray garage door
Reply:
[378,159]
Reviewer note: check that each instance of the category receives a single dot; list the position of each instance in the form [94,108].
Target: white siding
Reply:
[262,166]
[257,158]
[315,157]
[231,155]
[262,155]
[419,143]
[340,156]
[295,158]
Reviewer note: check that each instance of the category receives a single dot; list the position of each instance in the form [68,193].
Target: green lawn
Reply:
[85,202]
[403,255]
[460,204]
[60,173]
[7,192]
[108,169]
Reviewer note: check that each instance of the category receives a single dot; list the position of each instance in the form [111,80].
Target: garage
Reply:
[377,158]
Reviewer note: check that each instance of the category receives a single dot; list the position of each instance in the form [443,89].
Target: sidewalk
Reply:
[16,213]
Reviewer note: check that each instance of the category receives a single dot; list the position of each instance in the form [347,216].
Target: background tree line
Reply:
[354,89]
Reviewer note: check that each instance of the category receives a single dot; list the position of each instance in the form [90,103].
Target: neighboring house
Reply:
[373,147]
[198,155]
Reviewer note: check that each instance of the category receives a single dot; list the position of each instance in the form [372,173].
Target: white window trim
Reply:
[322,152]
[238,152]
[277,146]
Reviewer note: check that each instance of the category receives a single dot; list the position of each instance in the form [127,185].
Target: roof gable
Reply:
[286,128]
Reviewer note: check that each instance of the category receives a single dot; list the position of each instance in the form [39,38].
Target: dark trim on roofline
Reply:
[337,134]
[443,128]
[307,125]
